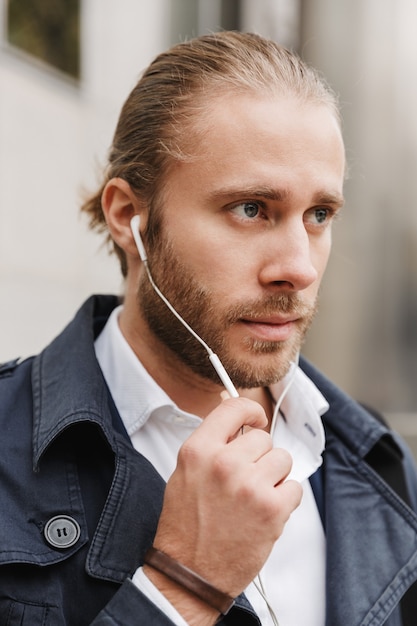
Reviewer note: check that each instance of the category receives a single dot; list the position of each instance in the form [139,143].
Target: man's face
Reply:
[245,237]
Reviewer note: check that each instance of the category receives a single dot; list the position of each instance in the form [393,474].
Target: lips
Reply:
[277,328]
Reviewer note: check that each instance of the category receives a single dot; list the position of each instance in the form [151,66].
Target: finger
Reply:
[253,444]
[231,414]
[289,494]
[274,466]
[284,499]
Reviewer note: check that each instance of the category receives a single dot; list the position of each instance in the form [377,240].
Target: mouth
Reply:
[275,329]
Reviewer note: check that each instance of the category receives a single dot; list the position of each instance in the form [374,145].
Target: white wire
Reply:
[261,589]
[177,315]
[283,394]
[259,586]
[214,359]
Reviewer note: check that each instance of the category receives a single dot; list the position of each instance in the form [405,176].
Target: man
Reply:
[134,489]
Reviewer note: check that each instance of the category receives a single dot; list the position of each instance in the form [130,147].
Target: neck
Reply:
[190,393]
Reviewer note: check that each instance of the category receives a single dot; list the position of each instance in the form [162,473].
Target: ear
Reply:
[119,205]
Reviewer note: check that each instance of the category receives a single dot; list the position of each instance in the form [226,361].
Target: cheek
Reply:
[320,254]
[210,258]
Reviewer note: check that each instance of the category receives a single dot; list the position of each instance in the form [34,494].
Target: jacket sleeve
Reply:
[130,607]
[125,607]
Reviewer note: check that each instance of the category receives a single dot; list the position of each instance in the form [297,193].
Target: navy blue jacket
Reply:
[64,456]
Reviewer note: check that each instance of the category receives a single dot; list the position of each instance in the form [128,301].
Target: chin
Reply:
[259,371]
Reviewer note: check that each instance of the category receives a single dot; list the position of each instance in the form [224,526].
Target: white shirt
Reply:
[294,575]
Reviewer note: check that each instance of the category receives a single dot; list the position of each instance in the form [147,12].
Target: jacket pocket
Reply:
[15,613]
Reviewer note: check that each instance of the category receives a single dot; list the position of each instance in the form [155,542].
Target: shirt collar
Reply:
[301,430]
[137,396]
[134,391]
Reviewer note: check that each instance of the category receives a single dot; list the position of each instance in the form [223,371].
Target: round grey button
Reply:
[62,531]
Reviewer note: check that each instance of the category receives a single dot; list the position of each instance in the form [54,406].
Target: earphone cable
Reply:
[261,590]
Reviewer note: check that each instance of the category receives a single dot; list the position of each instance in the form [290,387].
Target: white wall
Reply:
[53,137]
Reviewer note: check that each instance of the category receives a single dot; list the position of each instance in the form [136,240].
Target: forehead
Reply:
[238,115]
[262,140]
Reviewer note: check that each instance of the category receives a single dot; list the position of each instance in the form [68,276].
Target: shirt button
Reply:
[62,531]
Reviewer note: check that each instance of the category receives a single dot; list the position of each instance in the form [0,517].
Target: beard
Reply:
[261,363]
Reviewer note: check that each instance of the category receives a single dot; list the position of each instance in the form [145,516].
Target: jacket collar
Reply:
[346,418]
[68,386]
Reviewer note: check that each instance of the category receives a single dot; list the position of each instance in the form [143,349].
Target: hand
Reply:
[227,503]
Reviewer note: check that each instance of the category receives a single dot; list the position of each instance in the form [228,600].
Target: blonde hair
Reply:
[158,114]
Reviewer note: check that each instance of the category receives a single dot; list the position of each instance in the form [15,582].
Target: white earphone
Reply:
[135,225]
[214,359]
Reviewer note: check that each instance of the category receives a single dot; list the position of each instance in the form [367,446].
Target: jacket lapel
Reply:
[370,528]
[371,539]
[128,523]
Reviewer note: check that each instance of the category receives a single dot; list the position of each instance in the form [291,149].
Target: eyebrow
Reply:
[278,195]
[326,197]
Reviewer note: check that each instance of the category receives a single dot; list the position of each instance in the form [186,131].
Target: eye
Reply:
[319,216]
[247,209]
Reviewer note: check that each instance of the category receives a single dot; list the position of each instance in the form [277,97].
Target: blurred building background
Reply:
[66,67]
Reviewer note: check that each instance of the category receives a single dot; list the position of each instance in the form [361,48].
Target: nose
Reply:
[290,259]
